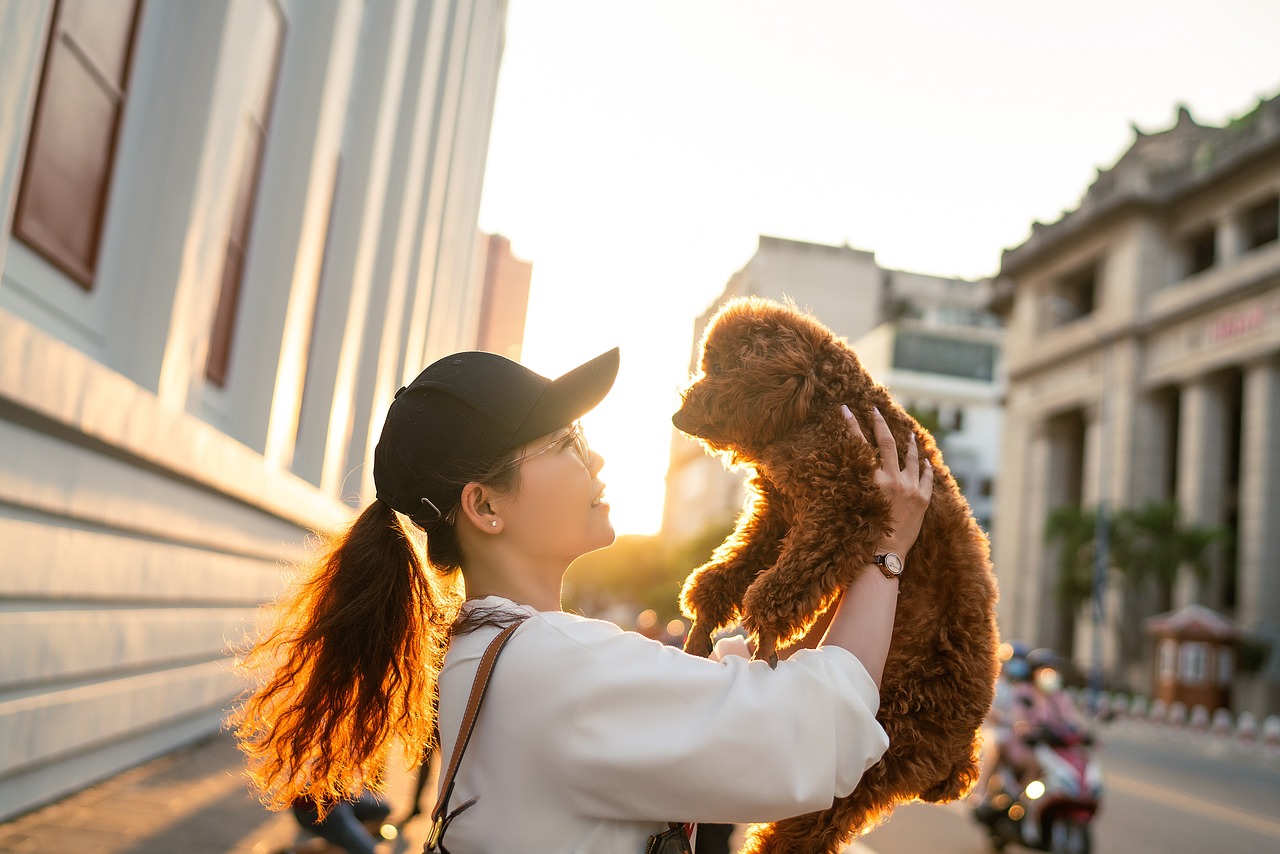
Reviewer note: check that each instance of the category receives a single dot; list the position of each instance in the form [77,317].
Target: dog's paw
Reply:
[779,611]
[698,640]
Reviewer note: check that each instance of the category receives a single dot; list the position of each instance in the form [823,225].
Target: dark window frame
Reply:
[1201,247]
[52,240]
[1260,223]
[244,207]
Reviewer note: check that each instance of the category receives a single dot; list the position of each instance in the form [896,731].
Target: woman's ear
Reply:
[476,508]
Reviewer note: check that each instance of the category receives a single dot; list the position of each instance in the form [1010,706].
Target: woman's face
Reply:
[558,510]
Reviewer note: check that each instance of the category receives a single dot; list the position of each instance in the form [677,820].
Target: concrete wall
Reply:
[146,513]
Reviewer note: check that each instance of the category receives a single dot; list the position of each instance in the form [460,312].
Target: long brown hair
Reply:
[352,660]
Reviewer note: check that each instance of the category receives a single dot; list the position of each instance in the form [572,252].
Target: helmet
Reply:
[1044,665]
[1014,658]
[1041,657]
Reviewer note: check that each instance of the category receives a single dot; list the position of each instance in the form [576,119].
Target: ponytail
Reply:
[350,666]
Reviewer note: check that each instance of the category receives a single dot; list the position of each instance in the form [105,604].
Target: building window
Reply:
[1201,250]
[1074,295]
[1165,665]
[1226,665]
[217,368]
[62,198]
[1261,223]
[1193,663]
[952,357]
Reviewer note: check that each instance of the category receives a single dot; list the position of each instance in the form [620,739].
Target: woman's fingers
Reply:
[913,456]
[884,441]
[922,480]
[884,438]
[926,480]
[852,422]
[908,488]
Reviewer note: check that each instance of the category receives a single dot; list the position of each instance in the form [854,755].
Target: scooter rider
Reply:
[998,727]
[1039,706]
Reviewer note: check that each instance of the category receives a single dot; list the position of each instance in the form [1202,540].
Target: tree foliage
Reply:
[1152,544]
[639,572]
[1074,529]
[1148,545]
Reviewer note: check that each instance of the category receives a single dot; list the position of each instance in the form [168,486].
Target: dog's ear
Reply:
[794,402]
[788,396]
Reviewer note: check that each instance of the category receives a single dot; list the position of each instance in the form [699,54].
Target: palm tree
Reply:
[1075,529]
[1151,544]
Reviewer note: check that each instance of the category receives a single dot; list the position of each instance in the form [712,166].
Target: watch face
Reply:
[891,562]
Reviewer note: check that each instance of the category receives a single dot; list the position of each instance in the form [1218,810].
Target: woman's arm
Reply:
[863,621]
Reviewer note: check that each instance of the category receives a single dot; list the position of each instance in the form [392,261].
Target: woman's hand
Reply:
[731,645]
[908,489]
[863,621]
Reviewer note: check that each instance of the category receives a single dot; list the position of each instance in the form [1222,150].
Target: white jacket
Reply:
[591,738]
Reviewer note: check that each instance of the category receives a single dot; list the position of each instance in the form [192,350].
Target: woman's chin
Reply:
[603,533]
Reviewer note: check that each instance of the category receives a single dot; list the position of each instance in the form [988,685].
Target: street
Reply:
[1164,794]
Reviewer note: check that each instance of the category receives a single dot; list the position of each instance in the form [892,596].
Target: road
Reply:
[1164,794]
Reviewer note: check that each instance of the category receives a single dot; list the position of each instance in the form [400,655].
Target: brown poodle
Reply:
[768,396]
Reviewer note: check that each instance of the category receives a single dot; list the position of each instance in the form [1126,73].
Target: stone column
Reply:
[1053,479]
[1259,541]
[1201,488]
[1229,239]
[1033,602]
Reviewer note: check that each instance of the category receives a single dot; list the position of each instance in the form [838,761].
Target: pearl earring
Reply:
[494,523]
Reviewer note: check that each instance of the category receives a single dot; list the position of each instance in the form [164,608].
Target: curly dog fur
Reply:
[768,397]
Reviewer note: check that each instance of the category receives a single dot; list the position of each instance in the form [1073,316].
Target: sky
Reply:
[639,149]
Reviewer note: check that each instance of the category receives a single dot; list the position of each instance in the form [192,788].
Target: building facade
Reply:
[931,341]
[1143,357]
[504,306]
[228,232]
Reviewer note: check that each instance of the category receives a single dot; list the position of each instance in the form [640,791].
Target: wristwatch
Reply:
[890,564]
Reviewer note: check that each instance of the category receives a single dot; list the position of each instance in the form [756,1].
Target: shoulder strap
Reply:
[440,816]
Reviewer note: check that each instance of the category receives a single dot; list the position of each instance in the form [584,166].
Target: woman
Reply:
[590,738]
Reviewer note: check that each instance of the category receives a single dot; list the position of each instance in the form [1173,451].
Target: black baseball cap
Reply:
[458,416]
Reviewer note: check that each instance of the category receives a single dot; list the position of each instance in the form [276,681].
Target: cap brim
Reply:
[569,397]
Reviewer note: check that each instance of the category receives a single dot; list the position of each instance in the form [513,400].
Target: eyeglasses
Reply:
[574,436]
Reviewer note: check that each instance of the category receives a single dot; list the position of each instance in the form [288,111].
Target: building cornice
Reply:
[1156,172]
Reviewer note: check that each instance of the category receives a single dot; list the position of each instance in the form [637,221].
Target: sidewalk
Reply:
[194,801]
[191,801]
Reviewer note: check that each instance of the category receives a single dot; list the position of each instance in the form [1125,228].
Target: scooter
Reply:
[1065,797]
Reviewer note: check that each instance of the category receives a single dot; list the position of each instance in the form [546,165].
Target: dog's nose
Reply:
[682,421]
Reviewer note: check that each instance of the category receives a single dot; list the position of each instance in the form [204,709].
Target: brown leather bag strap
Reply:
[440,816]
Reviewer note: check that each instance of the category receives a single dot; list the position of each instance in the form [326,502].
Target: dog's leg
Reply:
[712,595]
[819,558]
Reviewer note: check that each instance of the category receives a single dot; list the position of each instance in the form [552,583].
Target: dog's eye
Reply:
[712,369]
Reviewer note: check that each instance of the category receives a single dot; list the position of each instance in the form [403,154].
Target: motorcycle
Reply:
[1064,798]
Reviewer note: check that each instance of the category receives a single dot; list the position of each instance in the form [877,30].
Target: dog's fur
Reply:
[768,396]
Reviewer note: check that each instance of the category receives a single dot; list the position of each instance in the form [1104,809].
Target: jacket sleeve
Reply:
[657,734]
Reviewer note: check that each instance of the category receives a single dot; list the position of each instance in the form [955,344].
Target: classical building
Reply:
[932,341]
[228,232]
[1143,358]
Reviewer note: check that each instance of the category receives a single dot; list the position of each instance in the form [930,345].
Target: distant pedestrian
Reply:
[349,824]
[590,738]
